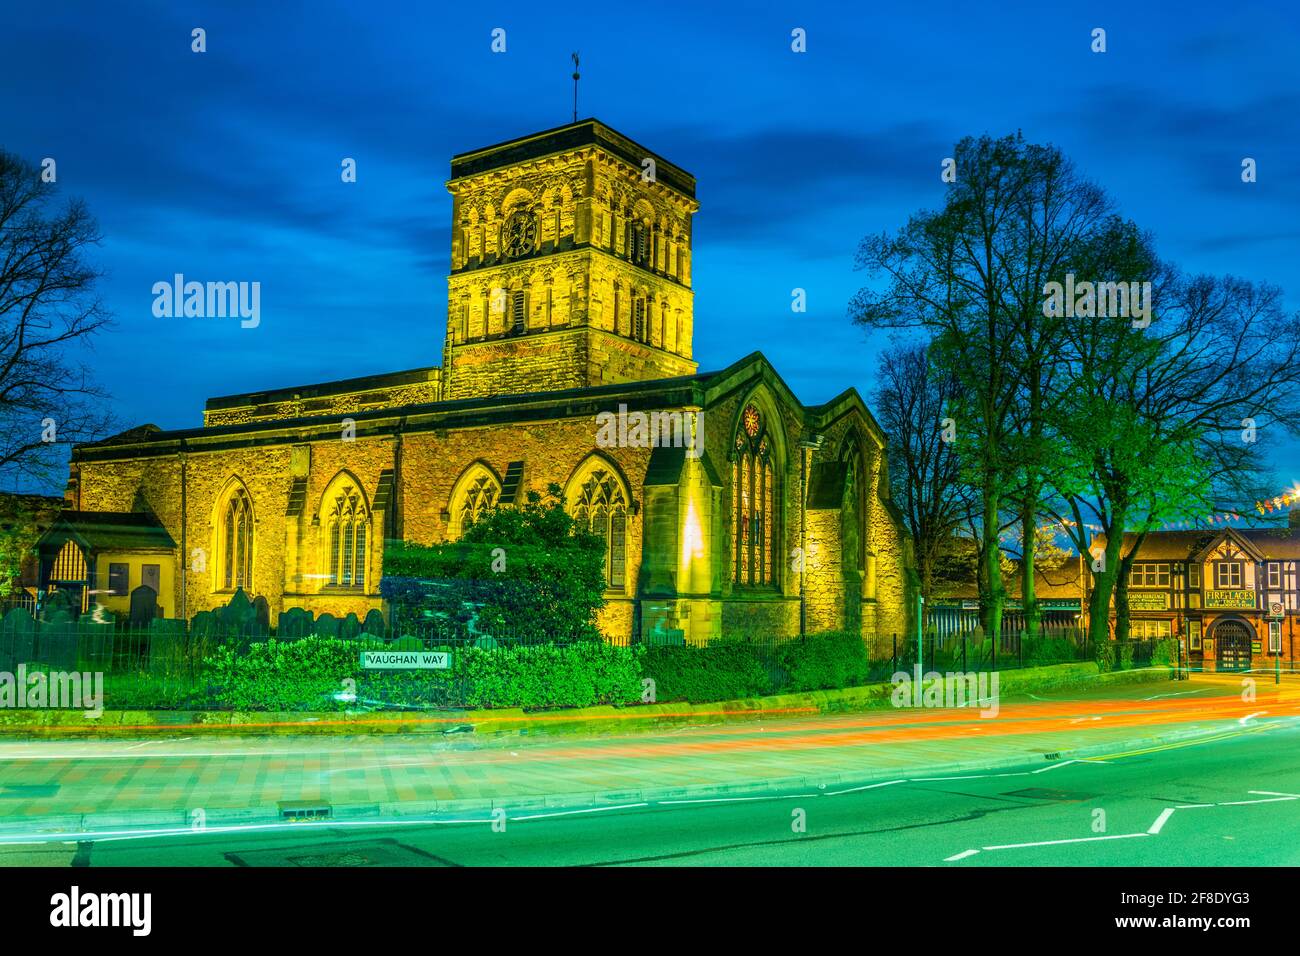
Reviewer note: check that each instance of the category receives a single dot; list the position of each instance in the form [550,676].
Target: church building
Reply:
[569,300]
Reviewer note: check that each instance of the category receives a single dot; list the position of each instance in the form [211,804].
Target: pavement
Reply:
[56,790]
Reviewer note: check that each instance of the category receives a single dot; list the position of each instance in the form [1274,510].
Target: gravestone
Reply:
[350,627]
[238,617]
[261,616]
[294,623]
[94,638]
[144,606]
[57,645]
[17,639]
[374,623]
[327,625]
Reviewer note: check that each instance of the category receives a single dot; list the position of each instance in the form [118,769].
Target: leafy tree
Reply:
[531,573]
[23,519]
[1155,420]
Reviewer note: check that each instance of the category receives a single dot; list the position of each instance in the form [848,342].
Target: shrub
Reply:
[725,670]
[1165,652]
[1050,650]
[823,662]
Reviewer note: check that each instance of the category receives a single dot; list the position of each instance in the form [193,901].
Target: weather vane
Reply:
[575,86]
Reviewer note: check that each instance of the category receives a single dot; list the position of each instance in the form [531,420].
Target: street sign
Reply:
[1276,610]
[406,660]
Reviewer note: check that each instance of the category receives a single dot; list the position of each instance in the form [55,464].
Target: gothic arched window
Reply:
[599,504]
[237,560]
[347,534]
[754,497]
[475,494]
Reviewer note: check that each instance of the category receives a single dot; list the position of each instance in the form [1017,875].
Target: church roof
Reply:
[562,139]
[108,531]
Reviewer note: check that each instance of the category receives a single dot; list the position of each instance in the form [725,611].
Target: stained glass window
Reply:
[348,524]
[479,495]
[754,496]
[239,541]
[601,507]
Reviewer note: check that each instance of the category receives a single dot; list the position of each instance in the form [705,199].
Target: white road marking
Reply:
[1017,846]
[1055,766]
[1080,720]
[870,786]
[1244,803]
[569,813]
[792,796]
[1181,693]
[960,856]
[1273,793]
[1258,713]
[1159,825]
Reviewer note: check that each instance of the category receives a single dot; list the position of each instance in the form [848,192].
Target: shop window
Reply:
[1194,635]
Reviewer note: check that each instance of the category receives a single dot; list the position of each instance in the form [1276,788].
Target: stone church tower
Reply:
[569,300]
[570,265]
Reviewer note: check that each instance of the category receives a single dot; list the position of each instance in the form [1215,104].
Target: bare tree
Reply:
[48,311]
[972,275]
[912,401]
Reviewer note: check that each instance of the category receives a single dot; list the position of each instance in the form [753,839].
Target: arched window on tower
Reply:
[518,311]
[755,495]
[640,243]
[599,502]
[347,536]
[638,318]
[237,542]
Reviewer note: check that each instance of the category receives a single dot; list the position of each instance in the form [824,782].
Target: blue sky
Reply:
[225,165]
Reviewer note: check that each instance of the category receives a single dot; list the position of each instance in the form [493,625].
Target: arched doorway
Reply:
[1232,645]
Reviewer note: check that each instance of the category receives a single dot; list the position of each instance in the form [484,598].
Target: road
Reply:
[1230,799]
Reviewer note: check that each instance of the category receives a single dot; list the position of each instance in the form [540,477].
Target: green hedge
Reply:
[823,662]
[732,670]
[311,673]
[720,671]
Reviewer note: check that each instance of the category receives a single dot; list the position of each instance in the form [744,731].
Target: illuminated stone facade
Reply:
[569,296]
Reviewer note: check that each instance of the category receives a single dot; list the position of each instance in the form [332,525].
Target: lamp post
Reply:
[920,649]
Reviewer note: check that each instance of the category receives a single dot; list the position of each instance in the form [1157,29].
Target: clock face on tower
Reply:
[520,235]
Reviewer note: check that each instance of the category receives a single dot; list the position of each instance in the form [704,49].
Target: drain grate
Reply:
[293,810]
